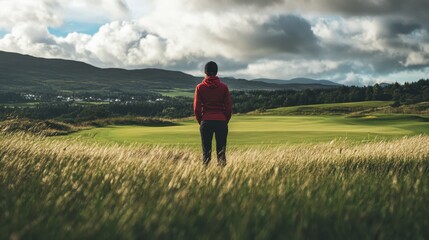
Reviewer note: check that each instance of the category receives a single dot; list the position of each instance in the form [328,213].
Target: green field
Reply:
[177,93]
[29,104]
[269,130]
[328,109]
[55,189]
[291,182]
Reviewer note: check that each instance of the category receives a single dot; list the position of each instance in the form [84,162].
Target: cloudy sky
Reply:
[350,42]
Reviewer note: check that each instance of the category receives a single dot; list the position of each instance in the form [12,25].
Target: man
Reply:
[213,109]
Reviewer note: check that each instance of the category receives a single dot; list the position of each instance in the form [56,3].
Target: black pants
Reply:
[220,129]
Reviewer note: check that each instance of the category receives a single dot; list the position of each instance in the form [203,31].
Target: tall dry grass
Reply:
[56,189]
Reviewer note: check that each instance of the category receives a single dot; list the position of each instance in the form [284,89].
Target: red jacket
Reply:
[212,100]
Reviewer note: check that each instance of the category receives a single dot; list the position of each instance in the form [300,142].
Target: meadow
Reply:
[56,189]
[274,127]
[363,175]
[177,93]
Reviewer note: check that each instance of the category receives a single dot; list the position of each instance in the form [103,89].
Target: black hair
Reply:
[210,69]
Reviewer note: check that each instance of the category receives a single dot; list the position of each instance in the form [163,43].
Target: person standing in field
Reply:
[213,109]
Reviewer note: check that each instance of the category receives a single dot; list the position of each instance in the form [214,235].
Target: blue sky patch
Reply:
[79,27]
[2,33]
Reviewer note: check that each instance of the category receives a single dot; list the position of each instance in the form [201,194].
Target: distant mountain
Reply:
[297,81]
[26,73]
[383,85]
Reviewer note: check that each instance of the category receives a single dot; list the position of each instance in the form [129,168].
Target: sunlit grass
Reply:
[56,189]
[329,108]
[255,130]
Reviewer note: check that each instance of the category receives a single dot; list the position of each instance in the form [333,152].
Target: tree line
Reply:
[155,105]
[407,93]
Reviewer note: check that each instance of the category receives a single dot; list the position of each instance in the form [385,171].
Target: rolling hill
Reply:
[26,73]
[297,81]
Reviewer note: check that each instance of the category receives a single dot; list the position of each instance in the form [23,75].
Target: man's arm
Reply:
[197,106]
[228,105]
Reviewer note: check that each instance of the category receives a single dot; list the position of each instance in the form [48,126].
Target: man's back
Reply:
[212,100]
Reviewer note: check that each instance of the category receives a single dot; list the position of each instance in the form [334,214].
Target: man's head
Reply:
[210,69]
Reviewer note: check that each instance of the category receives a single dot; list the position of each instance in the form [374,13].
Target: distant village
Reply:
[70,99]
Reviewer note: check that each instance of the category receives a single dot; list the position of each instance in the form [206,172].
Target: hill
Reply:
[26,73]
[329,109]
[353,109]
[298,81]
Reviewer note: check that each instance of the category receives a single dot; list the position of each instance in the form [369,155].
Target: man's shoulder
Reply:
[223,84]
[199,85]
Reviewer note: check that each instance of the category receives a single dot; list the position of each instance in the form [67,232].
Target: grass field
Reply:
[177,93]
[55,189]
[269,130]
[328,109]
[29,104]
[352,176]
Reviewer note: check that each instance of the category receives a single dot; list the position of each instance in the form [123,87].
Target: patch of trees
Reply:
[408,93]
[177,107]
[11,97]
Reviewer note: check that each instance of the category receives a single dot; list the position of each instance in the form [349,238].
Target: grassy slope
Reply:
[73,190]
[278,126]
[177,93]
[331,108]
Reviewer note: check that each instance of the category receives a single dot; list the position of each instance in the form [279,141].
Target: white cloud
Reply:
[356,79]
[417,58]
[359,33]
[42,12]
[288,68]
[123,44]
[27,38]
[351,43]
[52,13]
[95,10]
